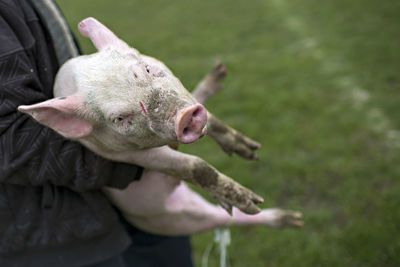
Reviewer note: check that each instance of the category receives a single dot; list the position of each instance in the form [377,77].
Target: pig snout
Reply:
[190,123]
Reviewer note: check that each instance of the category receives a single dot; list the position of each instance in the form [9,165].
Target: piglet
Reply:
[127,107]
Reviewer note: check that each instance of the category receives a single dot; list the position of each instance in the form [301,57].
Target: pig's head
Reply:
[119,97]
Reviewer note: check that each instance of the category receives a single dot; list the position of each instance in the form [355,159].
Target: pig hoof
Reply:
[226,206]
[219,71]
[248,201]
[286,219]
[234,142]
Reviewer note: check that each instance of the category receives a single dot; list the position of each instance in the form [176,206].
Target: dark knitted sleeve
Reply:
[31,154]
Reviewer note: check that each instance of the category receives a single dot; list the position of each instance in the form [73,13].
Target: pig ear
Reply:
[60,114]
[100,35]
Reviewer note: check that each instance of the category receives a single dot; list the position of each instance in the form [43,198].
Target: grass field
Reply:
[318,84]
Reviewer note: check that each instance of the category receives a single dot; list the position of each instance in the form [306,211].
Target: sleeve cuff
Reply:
[123,174]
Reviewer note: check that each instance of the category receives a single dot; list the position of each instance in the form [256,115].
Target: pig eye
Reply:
[122,119]
[118,119]
[122,122]
[148,68]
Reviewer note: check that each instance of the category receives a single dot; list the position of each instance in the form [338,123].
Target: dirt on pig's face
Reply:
[133,100]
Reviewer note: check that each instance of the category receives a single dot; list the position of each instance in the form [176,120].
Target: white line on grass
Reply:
[360,98]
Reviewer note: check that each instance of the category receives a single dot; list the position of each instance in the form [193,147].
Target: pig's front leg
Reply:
[230,140]
[169,207]
[196,171]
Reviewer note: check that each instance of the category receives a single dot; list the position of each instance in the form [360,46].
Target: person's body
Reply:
[53,212]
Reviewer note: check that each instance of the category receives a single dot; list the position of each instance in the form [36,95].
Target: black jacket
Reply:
[52,212]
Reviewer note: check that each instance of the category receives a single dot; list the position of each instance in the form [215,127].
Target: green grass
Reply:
[318,84]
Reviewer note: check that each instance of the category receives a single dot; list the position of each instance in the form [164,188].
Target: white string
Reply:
[223,239]
[206,254]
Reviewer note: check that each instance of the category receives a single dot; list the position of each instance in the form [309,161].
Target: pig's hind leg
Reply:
[161,204]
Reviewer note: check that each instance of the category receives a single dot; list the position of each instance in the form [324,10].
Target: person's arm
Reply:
[31,154]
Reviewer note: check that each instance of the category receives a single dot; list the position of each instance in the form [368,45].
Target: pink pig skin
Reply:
[125,107]
[170,207]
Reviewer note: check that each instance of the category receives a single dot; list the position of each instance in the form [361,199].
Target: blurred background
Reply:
[318,84]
